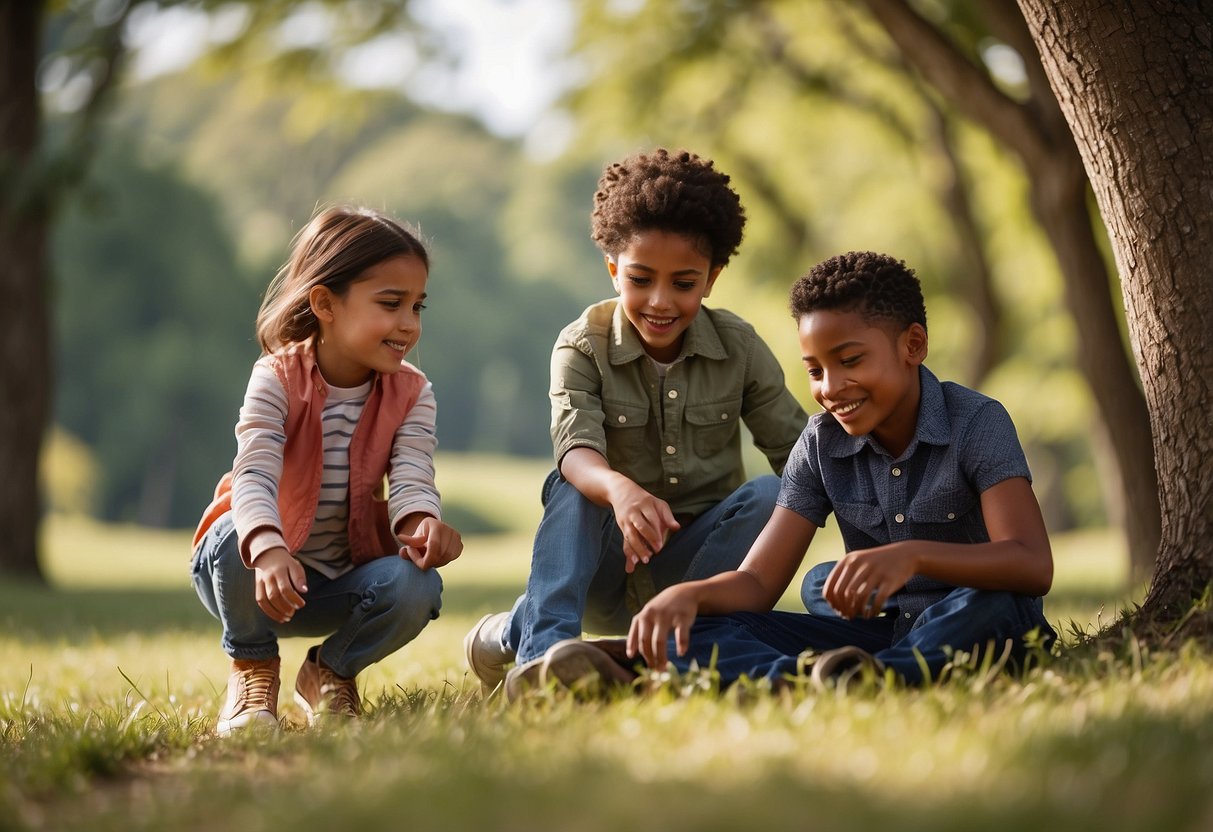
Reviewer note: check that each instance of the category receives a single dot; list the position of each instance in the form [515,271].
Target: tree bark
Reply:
[25,367]
[1036,132]
[1135,82]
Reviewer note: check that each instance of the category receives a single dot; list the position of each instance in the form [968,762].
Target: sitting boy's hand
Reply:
[280,584]
[674,609]
[646,522]
[863,580]
[430,543]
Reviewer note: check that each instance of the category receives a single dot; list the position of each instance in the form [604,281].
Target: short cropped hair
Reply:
[876,286]
[681,193]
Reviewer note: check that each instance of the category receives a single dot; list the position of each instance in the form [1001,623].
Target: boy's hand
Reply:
[428,542]
[673,609]
[646,522]
[280,584]
[861,582]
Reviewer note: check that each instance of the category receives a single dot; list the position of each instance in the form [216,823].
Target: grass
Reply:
[109,683]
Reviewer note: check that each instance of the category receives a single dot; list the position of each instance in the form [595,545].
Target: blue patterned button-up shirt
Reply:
[964,444]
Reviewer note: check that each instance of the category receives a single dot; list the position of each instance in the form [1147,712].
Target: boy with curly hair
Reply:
[945,545]
[648,393]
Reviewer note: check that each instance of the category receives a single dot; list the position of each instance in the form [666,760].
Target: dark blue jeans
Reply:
[768,645]
[577,580]
[365,615]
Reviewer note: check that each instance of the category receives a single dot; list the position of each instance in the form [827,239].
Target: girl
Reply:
[300,540]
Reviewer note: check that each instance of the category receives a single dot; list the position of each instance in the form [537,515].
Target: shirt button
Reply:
[673,480]
[622,418]
[673,394]
[724,417]
[951,516]
[900,518]
[670,449]
[897,472]
[907,615]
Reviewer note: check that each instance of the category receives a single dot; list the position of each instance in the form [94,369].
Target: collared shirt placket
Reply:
[671,402]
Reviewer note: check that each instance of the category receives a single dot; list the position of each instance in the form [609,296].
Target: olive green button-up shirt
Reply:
[680,441]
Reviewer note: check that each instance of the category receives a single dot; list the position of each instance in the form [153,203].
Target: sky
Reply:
[508,71]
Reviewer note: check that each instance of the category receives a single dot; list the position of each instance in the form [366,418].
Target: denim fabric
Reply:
[964,444]
[365,614]
[768,645]
[577,579]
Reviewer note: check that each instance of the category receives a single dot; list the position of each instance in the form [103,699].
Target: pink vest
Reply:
[392,397]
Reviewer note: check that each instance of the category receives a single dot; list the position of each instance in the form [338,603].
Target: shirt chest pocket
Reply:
[713,426]
[947,517]
[626,427]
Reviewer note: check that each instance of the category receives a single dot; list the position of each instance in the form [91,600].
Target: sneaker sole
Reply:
[257,720]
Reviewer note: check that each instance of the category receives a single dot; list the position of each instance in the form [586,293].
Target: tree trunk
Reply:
[24,326]
[1036,132]
[1135,82]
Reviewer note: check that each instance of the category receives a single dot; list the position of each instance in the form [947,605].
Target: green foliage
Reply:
[152,345]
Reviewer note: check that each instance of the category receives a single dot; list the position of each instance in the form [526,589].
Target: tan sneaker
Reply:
[321,692]
[486,655]
[252,696]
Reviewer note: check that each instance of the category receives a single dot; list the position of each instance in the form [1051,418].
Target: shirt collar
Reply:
[701,338]
[933,428]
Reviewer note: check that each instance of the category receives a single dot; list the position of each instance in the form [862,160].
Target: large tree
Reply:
[1135,81]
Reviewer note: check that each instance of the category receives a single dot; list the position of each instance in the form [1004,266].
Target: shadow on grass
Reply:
[31,611]
[40,613]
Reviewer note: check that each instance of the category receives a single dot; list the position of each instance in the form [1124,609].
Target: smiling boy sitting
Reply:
[649,390]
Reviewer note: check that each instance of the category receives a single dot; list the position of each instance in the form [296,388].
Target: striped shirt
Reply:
[261,437]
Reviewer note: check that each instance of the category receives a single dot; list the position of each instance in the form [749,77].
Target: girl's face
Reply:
[662,279]
[373,325]
[864,375]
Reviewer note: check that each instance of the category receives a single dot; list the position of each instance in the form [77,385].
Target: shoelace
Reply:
[343,695]
[258,683]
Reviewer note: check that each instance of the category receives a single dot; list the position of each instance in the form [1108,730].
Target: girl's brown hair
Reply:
[333,250]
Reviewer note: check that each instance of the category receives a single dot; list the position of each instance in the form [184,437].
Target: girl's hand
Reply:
[280,582]
[646,522]
[673,609]
[431,543]
[861,582]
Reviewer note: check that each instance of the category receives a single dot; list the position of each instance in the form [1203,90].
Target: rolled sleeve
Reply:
[577,415]
[992,452]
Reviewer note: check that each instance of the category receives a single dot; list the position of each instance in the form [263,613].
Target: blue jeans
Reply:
[767,645]
[577,578]
[366,614]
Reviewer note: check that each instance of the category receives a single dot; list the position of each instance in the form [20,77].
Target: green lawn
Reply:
[109,684]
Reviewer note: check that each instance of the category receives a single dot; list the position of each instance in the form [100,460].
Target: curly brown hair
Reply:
[876,286]
[679,192]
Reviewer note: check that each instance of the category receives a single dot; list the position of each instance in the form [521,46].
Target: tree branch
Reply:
[959,79]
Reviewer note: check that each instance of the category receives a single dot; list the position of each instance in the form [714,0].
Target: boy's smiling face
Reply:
[865,373]
[662,279]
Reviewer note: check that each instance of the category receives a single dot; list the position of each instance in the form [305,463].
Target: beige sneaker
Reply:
[486,655]
[522,678]
[590,669]
[252,696]
[321,692]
